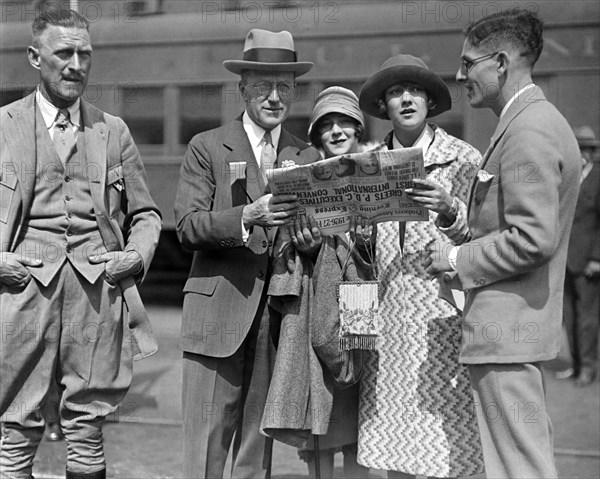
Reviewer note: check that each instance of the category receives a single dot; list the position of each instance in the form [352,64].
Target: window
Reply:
[9,95]
[143,111]
[200,108]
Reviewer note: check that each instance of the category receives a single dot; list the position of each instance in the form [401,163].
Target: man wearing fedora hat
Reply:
[229,330]
[521,208]
[582,281]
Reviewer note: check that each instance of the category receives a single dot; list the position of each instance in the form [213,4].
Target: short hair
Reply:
[518,27]
[54,15]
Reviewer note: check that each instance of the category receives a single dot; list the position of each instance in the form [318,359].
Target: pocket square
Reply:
[237,171]
[484,176]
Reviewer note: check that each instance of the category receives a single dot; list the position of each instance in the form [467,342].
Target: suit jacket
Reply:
[117,183]
[227,278]
[584,244]
[520,212]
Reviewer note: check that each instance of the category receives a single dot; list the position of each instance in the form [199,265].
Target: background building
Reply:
[158,64]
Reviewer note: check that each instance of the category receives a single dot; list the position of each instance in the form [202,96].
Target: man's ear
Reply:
[33,54]
[503,61]
[242,87]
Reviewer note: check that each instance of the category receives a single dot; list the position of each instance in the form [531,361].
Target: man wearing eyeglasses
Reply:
[225,215]
[520,213]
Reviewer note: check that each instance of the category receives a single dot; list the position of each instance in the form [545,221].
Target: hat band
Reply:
[270,55]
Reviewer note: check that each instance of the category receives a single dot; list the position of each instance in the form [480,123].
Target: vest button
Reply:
[67,178]
[261,274]
[264,244]
[67,198]
[69,233]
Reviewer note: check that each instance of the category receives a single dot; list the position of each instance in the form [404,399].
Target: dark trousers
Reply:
[223,401]
[71,333]
[581,314]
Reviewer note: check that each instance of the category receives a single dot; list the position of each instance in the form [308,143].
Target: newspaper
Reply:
[369,185]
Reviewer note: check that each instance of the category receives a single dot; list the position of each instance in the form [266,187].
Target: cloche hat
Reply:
[404,68]
[335,99]
[272,51]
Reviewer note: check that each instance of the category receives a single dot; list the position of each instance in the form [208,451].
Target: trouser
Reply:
[516,431]
[581,314]
[70,332]
[223,397]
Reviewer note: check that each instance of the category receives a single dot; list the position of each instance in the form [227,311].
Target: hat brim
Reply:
[299,68]
[376,85]
[588,143]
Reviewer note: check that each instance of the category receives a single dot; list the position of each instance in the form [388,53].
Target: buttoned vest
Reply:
[60,224]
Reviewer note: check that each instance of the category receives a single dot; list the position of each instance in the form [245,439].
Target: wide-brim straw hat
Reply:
[269,51]
[586,137]
[335,99]
[403,68]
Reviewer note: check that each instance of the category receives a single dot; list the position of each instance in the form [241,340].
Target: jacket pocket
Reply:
[8,185]
[204,286]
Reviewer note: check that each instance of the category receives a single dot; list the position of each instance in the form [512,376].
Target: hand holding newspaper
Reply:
[370,185]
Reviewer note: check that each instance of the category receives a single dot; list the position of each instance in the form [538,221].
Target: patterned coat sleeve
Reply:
[465,169]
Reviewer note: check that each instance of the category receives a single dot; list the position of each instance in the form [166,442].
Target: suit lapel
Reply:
[240,151]
[96,140]
[21,141]
[520,103]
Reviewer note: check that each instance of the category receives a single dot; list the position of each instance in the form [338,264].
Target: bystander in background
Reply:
[581,308]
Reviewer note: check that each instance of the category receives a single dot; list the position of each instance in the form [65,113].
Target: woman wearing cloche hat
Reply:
[416,412]
[336,127]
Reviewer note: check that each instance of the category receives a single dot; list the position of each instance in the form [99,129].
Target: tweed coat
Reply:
[521,208]
[227,278]
[117,182]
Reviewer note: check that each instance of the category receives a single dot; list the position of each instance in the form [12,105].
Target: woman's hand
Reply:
[306,236]
[362,232]
[432,196]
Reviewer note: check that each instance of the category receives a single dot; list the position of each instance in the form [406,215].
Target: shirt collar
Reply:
[49,111]
[255,132]
[514,97]
[423,141]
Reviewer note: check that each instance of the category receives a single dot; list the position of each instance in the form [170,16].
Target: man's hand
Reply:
[592,269]
[437,261]
[306,236]
[119,264]
[13,271]
[270,210]
[432,196]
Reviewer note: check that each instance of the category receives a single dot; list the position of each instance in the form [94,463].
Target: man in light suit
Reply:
[223,213]
[582,282]
[521,208]
[66,269]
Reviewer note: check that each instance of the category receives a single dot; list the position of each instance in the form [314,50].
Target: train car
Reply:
[158,65]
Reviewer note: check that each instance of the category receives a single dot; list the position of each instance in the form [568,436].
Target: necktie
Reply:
[64,137]
[268,156]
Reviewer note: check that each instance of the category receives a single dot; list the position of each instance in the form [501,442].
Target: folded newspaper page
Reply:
[370,185]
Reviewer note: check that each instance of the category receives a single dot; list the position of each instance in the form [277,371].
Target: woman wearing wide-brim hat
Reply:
[416,412]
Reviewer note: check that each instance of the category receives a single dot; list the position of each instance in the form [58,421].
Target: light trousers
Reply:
[72,333]
[516,431]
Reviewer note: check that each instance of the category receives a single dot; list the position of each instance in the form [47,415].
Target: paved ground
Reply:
[143,439]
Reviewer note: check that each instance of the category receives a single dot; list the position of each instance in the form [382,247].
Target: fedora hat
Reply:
[586,137]
[398,69]
[269,51]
